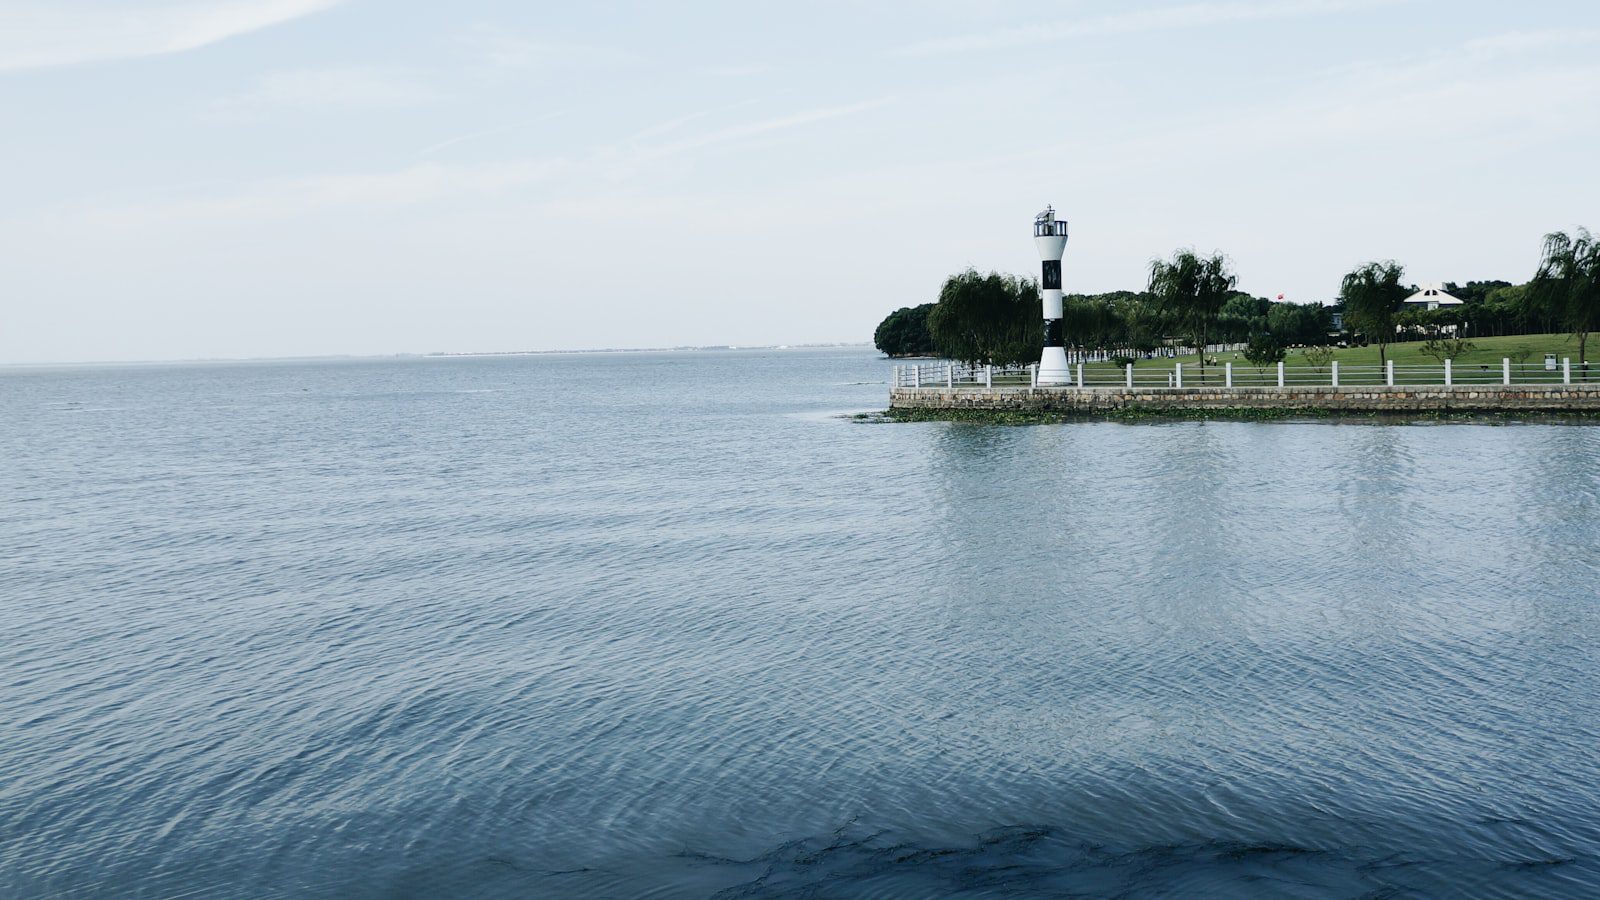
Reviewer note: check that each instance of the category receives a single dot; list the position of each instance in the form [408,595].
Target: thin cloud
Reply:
[487,132]
[765,126]
[1193,15]
[737,71]
[1453,97]
[1488,56]
[332,88]
[40,35]
[1513,42]
[503,49]
[428,182]
[422,183]
[674,124]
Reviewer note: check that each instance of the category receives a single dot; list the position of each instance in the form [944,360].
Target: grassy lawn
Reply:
[1487,351]
[1482,363]
[1359,365]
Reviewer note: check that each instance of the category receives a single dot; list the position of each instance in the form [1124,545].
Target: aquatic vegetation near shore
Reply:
[1132,414]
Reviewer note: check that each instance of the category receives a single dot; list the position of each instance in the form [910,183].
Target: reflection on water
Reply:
[656,624]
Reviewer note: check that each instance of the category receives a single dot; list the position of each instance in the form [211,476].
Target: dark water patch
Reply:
[1528,864]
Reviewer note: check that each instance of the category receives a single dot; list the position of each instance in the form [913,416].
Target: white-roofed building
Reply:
[1432,297]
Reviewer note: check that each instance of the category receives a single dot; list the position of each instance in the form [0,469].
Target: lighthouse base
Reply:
[1053,368]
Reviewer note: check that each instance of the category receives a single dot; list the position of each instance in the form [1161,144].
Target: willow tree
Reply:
[1372,297]
[988,319]
[1568,284]
[1142,321]
[1190,291]
[1090,322]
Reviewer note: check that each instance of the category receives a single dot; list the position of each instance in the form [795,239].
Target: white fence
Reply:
[1076,355]
[1186,375]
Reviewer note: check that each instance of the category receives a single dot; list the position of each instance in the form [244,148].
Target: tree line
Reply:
[994,318]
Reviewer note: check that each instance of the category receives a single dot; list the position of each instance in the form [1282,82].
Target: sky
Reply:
[249,178]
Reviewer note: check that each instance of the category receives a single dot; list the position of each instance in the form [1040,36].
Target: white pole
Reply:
[896,376]
[1336,373]
[1227,374]
[988,376]
[1280,373]
[1033,374]
[1388,375]
[949,375]
[1448,380]
[1177,370]
[1130,374]
[1080,374]
[1566,370]
[1505,370]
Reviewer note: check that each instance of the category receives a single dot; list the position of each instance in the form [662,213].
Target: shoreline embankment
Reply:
[1312,399]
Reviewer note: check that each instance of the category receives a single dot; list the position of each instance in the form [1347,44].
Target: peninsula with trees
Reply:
[1483,344]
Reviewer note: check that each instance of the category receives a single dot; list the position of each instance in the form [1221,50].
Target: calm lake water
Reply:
[666,625]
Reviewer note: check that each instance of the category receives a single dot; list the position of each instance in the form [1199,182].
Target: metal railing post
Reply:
[1130,374]
[1177,371]
[916,375]
[1336,373]
[1280,373]
[1566,370]
[1505,370]
[1227,374]
[1080,374]
[988,375]
[1033,374]
[949,375]
[1388,375]
[1448,376]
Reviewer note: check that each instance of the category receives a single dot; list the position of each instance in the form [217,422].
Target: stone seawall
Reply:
[1399,399]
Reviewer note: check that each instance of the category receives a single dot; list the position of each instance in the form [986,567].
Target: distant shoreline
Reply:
[440,354]
[709,348]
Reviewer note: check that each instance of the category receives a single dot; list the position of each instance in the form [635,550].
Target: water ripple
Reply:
[667,626]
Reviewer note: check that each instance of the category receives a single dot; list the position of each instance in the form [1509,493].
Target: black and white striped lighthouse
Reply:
[1050,236]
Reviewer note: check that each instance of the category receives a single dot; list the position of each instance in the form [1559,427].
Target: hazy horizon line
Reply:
[429,354]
